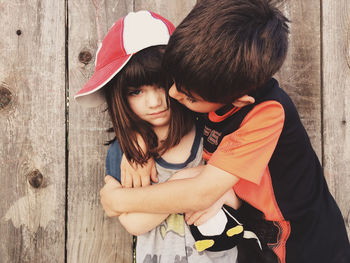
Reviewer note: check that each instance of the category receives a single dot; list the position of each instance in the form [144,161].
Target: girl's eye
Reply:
[134,92]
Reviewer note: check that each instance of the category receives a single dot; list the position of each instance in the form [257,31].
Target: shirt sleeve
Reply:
[113,160]
[246,152]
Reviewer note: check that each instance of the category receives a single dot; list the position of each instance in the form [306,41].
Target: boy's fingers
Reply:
[145,180]
[122,177]
[154,176]
[127,181]
[122,172]
[136,181]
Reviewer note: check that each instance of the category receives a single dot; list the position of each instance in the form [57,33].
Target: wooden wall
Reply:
[51,149]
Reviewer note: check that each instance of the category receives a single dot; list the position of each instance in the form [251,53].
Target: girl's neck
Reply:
[161,132]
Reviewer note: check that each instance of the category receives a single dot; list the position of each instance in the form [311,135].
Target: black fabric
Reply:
[317,229]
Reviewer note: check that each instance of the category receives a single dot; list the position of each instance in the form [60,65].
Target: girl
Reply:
[129,77]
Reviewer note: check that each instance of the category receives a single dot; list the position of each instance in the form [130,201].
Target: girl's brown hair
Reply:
[144,68]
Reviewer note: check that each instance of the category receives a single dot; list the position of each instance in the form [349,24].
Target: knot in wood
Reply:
[35,178]
[85,57]
[5,96]
[19,32]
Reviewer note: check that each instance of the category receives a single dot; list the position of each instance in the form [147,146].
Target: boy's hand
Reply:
[200,217]
[107,197]
[134,175]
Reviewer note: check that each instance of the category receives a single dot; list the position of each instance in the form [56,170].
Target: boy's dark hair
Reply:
[144,68]
[225,49]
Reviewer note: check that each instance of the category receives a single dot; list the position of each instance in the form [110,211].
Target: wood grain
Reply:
[300,75]
[92,237]
[36,67]
[32,131]
[336,95]
[174,11]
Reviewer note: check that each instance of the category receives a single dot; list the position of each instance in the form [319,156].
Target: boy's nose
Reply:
[173,92]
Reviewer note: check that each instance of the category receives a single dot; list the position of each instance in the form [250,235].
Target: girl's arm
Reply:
[141,223]
[136,223]
[185,195]
[200,217]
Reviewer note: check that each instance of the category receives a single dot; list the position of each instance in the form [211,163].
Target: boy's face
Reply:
[194,102]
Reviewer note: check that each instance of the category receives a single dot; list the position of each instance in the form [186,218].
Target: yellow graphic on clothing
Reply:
[174,223]
[204,244]
[234,231]
[207,243]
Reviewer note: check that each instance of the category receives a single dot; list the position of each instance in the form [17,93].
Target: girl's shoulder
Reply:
[113,160]
[185,151]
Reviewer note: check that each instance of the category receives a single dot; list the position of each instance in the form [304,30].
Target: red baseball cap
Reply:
[130,34]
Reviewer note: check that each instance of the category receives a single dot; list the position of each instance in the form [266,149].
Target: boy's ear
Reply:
[243,101]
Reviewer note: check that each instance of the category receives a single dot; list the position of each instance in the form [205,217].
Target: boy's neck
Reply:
[222,111]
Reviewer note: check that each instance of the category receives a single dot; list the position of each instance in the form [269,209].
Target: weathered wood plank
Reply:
[32,131]
[174,11]
[92,237]
[336,96]
[300,75]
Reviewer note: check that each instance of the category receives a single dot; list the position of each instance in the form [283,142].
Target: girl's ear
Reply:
[243,101]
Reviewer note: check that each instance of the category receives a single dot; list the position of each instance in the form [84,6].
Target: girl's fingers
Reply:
[195,217]
[188,215]
[107,179]
[202,219]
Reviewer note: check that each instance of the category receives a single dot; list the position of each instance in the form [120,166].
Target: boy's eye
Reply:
[190,99]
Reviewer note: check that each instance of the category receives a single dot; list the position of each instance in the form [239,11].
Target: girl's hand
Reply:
[201,217]
[134,175]
[107,195]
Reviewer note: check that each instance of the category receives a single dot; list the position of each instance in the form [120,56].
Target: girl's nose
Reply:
[155,97]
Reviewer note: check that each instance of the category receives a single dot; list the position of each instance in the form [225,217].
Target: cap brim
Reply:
[90,95]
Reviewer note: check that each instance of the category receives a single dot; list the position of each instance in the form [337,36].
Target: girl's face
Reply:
[149,104]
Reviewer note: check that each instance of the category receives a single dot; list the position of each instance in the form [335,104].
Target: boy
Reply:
[222,58]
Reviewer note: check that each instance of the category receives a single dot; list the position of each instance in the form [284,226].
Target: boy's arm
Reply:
[185,195]
[135,175]
[244,154]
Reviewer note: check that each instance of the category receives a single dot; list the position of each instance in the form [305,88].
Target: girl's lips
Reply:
[158,113]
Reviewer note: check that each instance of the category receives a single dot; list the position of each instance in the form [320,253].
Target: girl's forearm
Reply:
[141,223]
[178,196]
